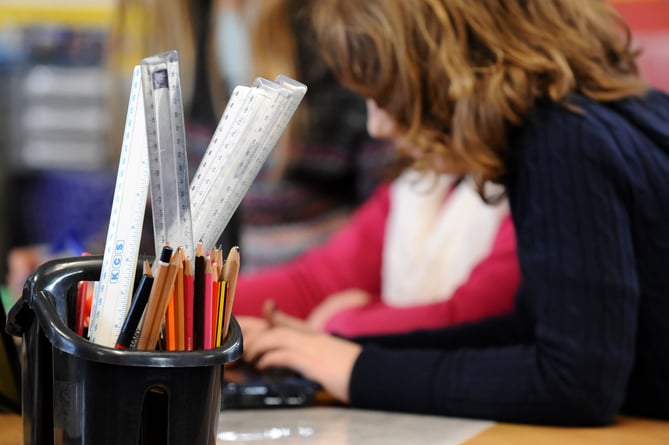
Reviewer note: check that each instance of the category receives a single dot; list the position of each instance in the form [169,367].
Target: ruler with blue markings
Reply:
[153,159]
[113,290]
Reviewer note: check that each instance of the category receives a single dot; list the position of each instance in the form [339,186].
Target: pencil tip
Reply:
[199,251]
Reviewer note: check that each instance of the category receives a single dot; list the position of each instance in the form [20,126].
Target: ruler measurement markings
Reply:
[239,111]
[295,93]
[284,109]
[167,152]
[229,148]
[228,190]
[112,291]
[212,207]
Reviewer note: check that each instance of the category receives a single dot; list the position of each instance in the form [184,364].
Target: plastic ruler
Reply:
[119,263]
[170,199]
[153,157]
[241,108]
[250,127]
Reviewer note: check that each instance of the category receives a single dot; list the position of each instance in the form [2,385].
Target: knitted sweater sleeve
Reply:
[567,195]
[350,259]
[489,290]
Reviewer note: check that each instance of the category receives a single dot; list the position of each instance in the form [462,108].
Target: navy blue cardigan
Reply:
[589,336]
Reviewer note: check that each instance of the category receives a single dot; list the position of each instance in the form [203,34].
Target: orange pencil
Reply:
[171,322]
[180,319]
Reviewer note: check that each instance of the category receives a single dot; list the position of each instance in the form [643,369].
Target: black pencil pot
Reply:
[75,392]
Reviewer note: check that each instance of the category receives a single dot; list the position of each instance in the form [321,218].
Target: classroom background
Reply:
[57,175]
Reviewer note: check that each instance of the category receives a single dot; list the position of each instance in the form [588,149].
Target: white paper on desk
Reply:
[342,426]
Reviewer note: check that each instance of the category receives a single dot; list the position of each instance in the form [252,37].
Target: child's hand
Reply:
[321,357]
[335,303]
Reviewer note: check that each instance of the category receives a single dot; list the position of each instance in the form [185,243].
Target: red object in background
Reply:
[645,15]
[649,22]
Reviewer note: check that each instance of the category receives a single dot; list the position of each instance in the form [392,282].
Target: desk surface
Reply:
[344,426]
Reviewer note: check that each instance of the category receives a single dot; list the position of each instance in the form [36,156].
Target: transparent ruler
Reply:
[250,127]
[119,263]
[170,200]
[153,157]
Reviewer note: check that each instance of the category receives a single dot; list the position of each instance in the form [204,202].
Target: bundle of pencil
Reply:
[189,301]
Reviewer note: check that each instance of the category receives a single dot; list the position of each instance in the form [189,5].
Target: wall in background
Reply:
[649,20]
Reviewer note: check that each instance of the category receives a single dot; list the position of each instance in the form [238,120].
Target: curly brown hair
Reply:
[458,74]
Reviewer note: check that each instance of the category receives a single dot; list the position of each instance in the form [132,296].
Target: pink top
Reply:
[352,259]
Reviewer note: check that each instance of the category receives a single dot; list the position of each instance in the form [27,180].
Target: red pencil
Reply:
[188,304]
[208,336]
[81,315]
[82,290]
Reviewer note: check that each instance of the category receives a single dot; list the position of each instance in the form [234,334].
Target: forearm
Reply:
[512,384]
[505,368]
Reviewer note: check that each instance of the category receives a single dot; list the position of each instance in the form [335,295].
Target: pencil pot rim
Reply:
[45,296]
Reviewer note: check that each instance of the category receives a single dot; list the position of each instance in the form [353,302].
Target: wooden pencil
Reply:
[231,272]
[171,321]
[163,298]
[156,289]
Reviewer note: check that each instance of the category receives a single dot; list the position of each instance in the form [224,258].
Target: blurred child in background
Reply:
[545,98]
